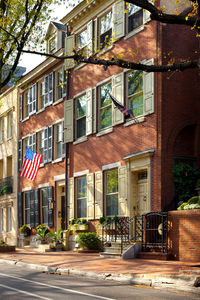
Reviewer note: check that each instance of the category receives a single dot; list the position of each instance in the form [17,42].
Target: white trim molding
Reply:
[111,166]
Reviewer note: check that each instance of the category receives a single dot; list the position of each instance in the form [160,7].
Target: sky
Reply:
[30,61]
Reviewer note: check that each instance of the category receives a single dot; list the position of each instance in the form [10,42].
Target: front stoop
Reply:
[153,255]
[114,250]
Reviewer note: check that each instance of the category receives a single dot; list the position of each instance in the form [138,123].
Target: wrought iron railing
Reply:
[6,185]
[151,229]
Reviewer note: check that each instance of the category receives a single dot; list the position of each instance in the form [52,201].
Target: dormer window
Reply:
[52,45]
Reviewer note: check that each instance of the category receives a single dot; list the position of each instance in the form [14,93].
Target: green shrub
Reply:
[192,203]
[89,240]
[101,220]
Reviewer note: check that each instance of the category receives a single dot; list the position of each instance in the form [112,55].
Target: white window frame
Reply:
[137,9]
[99,29]
[113,193]
[136,94]
[32,99]
[101,108]
[58,140]
[81,198]
[85,117]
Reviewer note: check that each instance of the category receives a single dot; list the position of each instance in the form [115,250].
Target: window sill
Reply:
[105,131]
[58,101]
[104,50]
[81,140]
[135,121]
[24,120]
[42,165]
[132,33]
[10,138]
[57,160]
[39,111]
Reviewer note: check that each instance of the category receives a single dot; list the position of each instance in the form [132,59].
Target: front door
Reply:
[60,207]
[142,198]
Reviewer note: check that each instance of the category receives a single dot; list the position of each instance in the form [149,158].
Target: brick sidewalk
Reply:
[95,263]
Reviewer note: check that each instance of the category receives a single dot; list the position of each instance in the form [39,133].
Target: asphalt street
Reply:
[18,283]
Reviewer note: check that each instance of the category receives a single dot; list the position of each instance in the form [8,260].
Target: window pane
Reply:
[106,23]
[81,127]
[112,205]
[81,187]
[81,107]
[132,9]
[44,197]
[82,208]
[112,182]
[45,215]
[136,104]
[135,82]
[82,39]
[106,117]
[135,20]
[104,96]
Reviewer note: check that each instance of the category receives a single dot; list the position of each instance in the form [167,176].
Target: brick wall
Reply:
[184,238]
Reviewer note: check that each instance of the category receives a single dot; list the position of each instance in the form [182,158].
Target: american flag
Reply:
[127,112]
[31,164]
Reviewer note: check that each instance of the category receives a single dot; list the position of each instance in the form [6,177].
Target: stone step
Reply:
[113,255]
[112,250]
[153,255]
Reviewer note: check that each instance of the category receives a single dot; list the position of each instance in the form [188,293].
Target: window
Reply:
[58,141]
[82,197]
[135,92]
[47,144]
[27,208]
[48,97]
[1,129]
[105,116]
[32,99]
[1,219]
[111,191]
[40,144]
[10,124]
[81,116]
[52,44]
[41,94]
[135,17]
[32,142]
[105,30]
[25,144]
[44,206]
[81,40]
[25,110]
[9,219]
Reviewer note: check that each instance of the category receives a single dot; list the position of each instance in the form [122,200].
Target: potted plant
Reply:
[89,241]
[7,189]
[5,247]
[41,232]
[83,225]
[25,230]
[56,238]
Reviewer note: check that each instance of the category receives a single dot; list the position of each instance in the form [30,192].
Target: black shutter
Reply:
[20,209]
[32,208]
[37,207]
[50,207]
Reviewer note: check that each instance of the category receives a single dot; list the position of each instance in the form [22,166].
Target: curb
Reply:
[182,283]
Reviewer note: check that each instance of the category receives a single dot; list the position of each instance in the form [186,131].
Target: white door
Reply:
[142,197]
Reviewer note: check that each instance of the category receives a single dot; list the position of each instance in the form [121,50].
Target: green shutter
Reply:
[37,208]
[32,208]
[89,112]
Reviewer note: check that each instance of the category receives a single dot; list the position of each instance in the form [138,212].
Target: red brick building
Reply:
[116,166]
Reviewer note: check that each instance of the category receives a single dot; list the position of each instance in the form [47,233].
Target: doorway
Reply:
[60,209]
